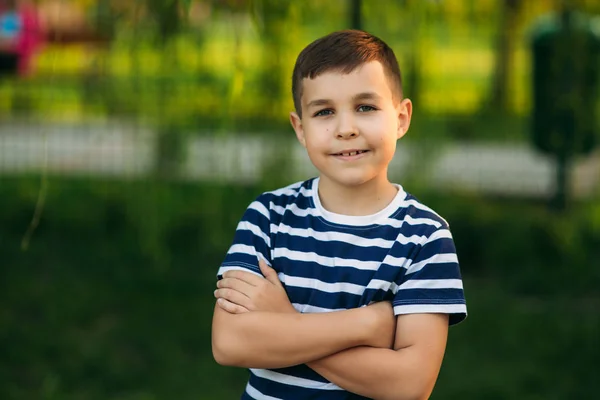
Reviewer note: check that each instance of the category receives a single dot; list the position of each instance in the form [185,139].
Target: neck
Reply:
[365,199]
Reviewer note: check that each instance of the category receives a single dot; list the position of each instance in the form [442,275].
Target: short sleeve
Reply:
[432,282]
[251,240]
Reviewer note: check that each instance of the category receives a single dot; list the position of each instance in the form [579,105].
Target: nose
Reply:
[347,134]
[347,127]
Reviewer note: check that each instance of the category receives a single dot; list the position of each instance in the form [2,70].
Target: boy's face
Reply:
[350,124]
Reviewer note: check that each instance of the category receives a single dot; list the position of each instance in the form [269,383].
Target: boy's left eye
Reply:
[365,108]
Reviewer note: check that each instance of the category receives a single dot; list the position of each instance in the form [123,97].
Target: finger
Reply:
[230,307]
[235,297]
[236,284]
[248,277]
[269,272]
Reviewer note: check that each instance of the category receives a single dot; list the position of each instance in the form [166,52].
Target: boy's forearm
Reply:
[377,373]
[277,340]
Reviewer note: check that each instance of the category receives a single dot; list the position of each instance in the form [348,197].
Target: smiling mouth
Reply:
[351,153]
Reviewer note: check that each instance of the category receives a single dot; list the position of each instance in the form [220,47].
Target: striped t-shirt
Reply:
[404,253]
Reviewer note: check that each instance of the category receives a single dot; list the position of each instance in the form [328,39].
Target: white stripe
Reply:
[329,236]
[248,226]
[439,234]
[307,308]
[436,259]
[308,193]
[423,207]
[398,223]
[422,221]
[325,261]
[374,284]
[430,308]
[222,270]
[255,394]
[261,208]
[333,236]
[242,248]
[292,380]
[432,284]
[414,239]
[289,190]
[310,283]
[400,262]
[378,284]
[294,209]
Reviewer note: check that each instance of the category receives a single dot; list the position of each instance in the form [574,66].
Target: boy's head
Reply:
[343,52]
[350,110]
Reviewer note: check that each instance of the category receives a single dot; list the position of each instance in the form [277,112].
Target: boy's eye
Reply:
[323,113]
[365,108]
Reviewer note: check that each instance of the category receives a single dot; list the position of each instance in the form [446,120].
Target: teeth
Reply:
[352,153]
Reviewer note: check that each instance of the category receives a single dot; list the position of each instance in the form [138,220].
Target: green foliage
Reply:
[113,299]
[527,247]
[234,62]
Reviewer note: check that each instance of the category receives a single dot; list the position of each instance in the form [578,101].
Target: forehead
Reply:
[368,77]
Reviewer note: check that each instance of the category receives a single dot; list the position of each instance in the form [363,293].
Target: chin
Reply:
[350,180]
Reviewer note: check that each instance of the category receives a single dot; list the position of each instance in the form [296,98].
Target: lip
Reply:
[350,158]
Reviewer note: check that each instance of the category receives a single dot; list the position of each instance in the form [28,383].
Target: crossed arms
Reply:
[366,351]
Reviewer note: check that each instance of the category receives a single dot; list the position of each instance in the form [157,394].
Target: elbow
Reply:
[415,391]
[222,357]
[404,395]
[223,353]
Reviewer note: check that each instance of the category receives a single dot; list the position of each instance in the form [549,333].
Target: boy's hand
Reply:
[239,292]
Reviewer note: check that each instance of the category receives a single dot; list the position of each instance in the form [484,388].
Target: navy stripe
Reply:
[286,392]
[257,218]
[307,269]
[301,371]
[283,391]
[429,296]
[244,236]
[321,299]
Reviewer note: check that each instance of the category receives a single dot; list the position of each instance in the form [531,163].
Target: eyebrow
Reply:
[360,96]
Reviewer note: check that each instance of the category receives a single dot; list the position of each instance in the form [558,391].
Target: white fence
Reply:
[126,151]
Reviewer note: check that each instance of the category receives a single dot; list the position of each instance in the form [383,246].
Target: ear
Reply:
[296,122]
[404,112]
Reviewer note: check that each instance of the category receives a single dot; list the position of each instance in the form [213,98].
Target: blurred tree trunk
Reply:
[505,50]
[167,17]
[272,18]
[412,85]
[356,14]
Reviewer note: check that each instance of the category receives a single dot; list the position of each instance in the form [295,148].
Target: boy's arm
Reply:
[269,339]
[275,335]
[428,299]
[408,371]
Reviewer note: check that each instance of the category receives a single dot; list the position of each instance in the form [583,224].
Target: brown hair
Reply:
[344,51]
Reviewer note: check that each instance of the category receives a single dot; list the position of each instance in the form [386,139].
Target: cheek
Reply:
[318,138]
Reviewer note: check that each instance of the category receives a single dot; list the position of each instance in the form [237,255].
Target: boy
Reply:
[363,279]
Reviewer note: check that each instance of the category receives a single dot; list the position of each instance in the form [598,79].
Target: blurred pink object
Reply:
[30,39]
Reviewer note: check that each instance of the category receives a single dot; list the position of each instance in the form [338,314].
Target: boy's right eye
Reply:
[323,113]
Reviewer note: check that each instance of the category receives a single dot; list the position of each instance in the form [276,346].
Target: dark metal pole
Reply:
[356,14]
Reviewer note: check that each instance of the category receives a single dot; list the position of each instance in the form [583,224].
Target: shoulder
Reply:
[298,193]
[418,223]
[290,194]
[414,209]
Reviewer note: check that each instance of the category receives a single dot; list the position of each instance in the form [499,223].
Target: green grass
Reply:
[515,346]
[113,299]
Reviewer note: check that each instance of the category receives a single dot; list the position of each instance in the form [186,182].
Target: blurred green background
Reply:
[130,149]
